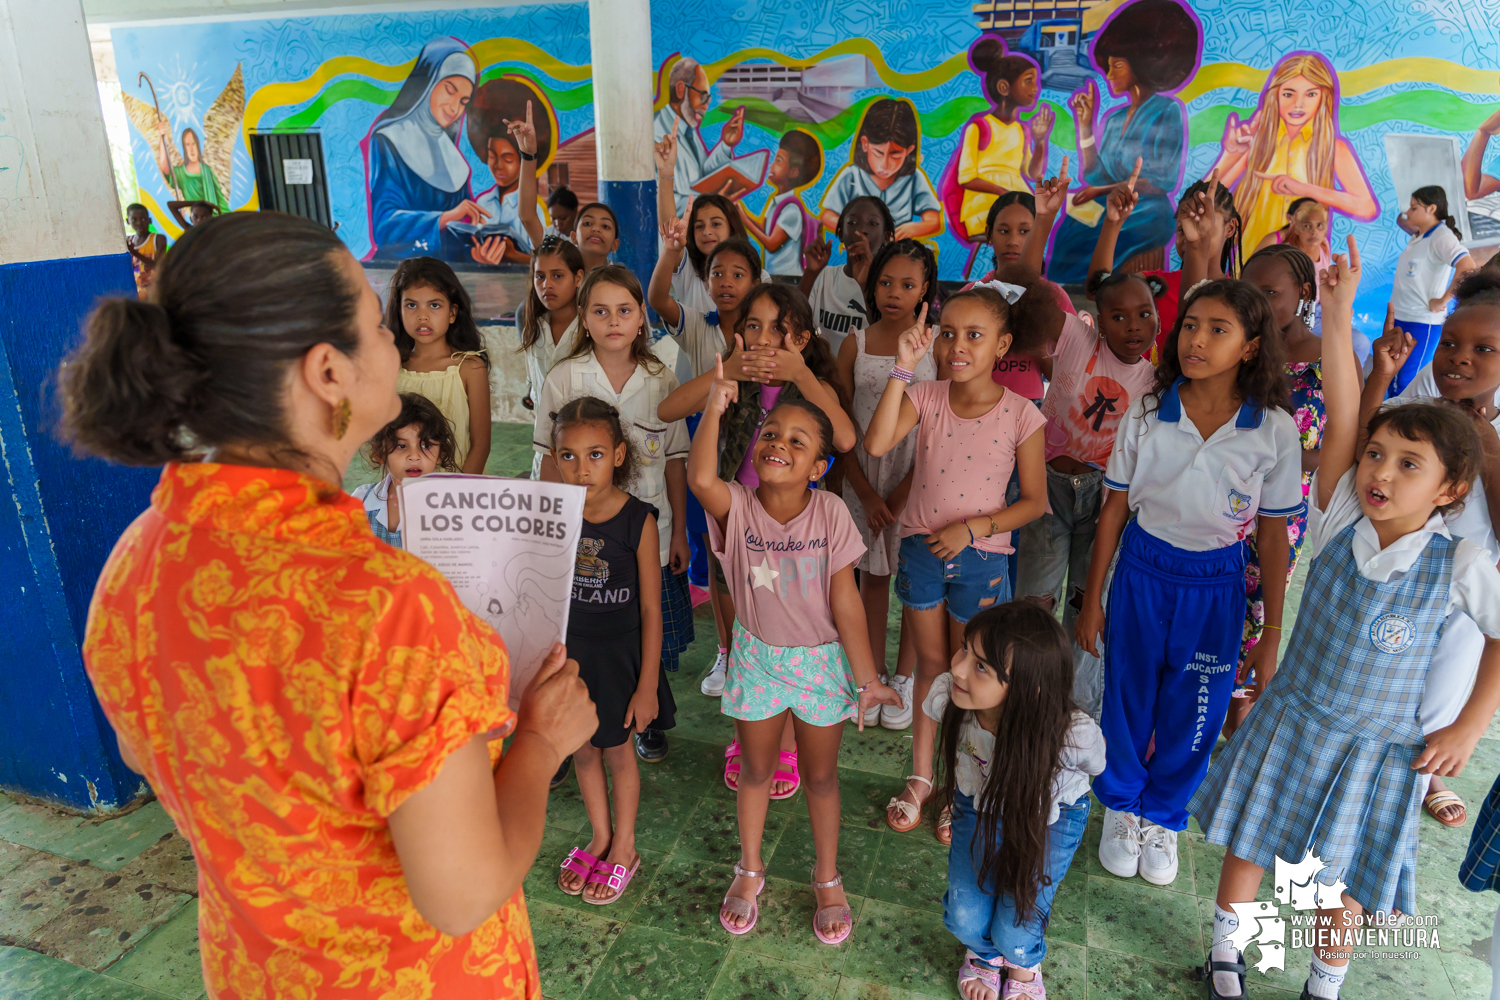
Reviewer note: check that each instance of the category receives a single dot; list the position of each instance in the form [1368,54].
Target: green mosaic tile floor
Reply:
[108,911]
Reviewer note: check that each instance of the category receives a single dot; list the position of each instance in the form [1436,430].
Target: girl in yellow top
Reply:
[442,356]
[992,158]
[1291,148]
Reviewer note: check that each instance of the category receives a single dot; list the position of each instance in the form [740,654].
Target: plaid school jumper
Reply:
[1324,762]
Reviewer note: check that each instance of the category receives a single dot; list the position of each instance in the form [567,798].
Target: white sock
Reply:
[1324,980]
[1495,959]
[1226,922]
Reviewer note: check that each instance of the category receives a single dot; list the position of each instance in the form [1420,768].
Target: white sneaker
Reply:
[892,717]
[872,714]
[1159,855]
[713,684]
[1120,847]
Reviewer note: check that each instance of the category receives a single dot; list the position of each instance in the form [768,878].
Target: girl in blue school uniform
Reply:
[1333,759]
[1210,453]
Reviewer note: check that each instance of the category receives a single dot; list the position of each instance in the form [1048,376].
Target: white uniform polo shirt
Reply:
[655,441]
[700,337]
[1422,272]
[1203,495]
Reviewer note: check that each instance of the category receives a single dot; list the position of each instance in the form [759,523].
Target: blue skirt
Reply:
[1481,867]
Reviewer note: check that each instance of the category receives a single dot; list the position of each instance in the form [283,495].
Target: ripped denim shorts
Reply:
[969,582]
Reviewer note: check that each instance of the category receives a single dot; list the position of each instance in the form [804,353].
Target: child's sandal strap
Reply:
[837,880]
[742,873]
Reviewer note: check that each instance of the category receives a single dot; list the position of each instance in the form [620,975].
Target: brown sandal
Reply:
[911,815]
[1437,801]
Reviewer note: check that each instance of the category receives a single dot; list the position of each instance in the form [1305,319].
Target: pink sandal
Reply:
[750,909]
[617,877]
[581,863]
[732,771]
[832,915]
[732,767]
[974,968]
[787,757]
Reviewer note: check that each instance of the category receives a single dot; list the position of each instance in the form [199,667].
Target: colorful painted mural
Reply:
[938,108]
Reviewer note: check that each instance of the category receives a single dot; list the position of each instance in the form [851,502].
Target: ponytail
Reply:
[240,298]
[1434,195]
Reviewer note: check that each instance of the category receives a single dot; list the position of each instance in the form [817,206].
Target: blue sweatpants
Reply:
[1426,336]
[1171,645]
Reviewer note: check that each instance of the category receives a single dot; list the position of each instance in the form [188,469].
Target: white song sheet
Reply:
[508,547]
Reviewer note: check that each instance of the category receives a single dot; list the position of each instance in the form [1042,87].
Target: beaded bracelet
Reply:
[901,373]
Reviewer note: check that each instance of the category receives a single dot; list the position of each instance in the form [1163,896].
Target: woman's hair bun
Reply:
[128,390]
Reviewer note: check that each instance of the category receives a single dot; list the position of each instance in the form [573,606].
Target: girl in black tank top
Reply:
[615,634]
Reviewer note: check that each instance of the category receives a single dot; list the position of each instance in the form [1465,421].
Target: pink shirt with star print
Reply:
[779,574]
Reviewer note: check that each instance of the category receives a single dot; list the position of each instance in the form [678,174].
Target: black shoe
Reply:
[562,773]
[1237,967]
[651,746]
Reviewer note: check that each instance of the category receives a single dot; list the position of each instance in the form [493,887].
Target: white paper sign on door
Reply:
[297,171]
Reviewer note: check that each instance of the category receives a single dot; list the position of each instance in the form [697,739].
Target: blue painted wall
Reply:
[62,520]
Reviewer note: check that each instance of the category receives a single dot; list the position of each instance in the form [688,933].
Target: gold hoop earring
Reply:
[341,415]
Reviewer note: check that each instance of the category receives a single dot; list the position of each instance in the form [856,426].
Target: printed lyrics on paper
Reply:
[508,548]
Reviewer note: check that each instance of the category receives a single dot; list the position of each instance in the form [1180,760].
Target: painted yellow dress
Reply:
[1000,162]
[447,392]
[1263,210]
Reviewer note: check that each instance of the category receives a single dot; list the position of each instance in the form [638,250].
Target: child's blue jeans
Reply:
[986,923]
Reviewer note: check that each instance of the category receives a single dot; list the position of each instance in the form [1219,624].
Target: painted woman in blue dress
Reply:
[418,178]
[1147,50]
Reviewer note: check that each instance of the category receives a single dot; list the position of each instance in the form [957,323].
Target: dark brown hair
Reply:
[505,97]
[535,308]
[1304,274]
[1261,381]
[1231,252]
[988,57]
[825,426]
[597,204]
[1159,38]
[1027,649]
[912,250]
[795,316]
[463,334]
[592,410]
[204,364]
[432,428]
[1448,428]
[804,156]
[889,119]
[1437,198]
[737,245]
[697,258]
[881,207]
[624,277]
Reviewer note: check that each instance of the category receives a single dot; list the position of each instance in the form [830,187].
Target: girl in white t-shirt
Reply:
[904,279]
[1016,759]
[837,294]
[551,328]
[711,219]
[1427,272]
[801,652]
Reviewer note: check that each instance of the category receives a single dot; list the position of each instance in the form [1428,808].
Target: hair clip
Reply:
[1186,295]
[1010,293]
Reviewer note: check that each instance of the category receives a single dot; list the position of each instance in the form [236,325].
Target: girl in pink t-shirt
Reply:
[788,554]
[1094,377]
[956,525]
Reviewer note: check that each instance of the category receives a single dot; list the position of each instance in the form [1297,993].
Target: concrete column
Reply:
[620,42]
[62,247]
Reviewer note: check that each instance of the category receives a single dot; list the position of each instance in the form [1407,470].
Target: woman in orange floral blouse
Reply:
[317,712]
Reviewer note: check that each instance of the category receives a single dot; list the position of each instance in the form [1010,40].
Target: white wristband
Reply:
[1087,142]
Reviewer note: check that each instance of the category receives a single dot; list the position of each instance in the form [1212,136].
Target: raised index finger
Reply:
[528,112]
[1353,253]
[1134,174]
[718,366]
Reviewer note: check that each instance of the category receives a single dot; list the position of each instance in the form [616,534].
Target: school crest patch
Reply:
[1393,633]
[1238,502]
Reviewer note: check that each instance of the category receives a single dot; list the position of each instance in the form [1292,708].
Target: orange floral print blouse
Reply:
[286,681]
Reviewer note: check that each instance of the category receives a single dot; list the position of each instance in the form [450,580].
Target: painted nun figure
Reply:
[418,178]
